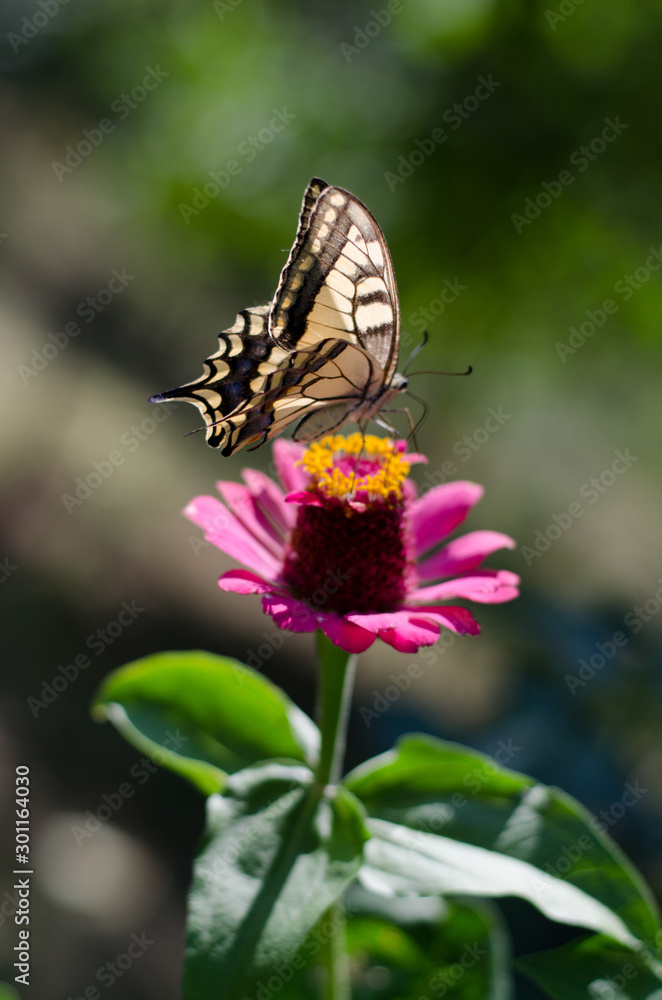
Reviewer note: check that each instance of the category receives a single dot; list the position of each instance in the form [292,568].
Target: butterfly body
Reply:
[324,352]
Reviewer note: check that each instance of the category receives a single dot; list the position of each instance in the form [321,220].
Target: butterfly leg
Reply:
[412,425]
[384,423]
[412,430]
[361,426]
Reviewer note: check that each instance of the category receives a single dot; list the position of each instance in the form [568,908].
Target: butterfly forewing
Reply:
[338,280]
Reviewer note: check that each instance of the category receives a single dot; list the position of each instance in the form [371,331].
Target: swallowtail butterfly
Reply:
[324,351]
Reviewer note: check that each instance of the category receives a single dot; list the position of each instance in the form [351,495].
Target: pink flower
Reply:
[350,549]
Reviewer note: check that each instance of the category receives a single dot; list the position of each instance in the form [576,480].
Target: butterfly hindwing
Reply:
[233,375]
[320,387]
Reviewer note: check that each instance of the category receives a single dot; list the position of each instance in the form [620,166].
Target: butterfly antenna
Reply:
[417,350]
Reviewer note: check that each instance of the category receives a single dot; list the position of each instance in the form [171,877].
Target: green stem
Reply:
[336,681]
[338,985]
[334,701]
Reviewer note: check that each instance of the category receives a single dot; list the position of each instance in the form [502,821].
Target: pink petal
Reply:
[491,586]
[409,492]
[271,499]
[289,613]
[305,498]
[440,510]
[452,616]
[400,446]
[286,455]
[242,581]
[410,637]
[243,505]
[224,531]
[406,630]
[463,554]
[500,596]
[383,620]
[345,634]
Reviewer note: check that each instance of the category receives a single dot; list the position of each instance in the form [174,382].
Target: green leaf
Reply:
[450,820]
[595,967]
[278,853]
[8,992]
[446,947]
[204,716]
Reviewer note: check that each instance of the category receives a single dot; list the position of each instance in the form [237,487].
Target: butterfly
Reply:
[325,350]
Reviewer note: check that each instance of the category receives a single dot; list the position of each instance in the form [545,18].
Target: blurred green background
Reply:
[539,201]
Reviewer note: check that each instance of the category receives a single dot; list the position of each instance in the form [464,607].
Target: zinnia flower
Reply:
[349,548]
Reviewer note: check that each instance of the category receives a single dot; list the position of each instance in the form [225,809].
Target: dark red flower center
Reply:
[344,560]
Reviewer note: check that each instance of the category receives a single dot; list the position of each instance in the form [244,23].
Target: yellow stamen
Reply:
[319,460]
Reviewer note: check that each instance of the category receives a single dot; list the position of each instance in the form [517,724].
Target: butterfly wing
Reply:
[322,387]
[251,389]
[338,280]
[325,347]
[245,358]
